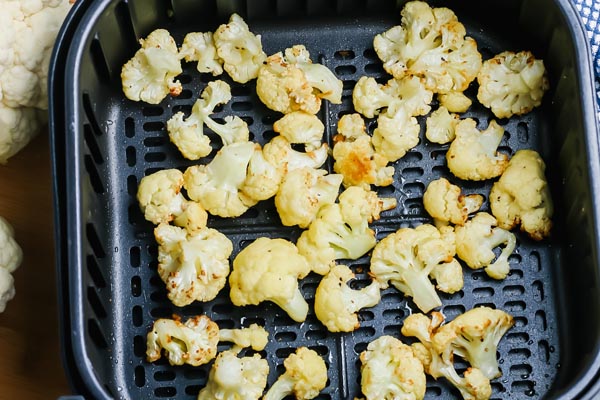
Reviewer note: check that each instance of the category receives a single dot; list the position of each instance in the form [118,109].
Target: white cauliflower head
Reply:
[397,132]
[232,377]
[268,270]
[407,257]
[150,75]
[430,43]
[240,49]
[522,197]
[512,83]
[200,47]
[188,134]
[192,342]
[476,241]
[217,185]
[356,159]
[441,125]
[446,204]
[194,266]
[390,370]
[303,192]
[336,304]
[473,154]
[17,127]
[299,127]
[262,177]
[11,256]
[304,377]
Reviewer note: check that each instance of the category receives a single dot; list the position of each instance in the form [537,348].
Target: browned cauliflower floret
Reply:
[473,154]
[441,125]
[456,102]
[521,196]
[446,204]
[512,83]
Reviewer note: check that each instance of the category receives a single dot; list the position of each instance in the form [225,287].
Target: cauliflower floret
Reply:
[475,243]
[193,342]
[254,336]
[17,127]
[390,370]
[268,270]
[430,43]
[397,132]
[455,102]
[304,377]
[448,276]
[291,82]
[262,178]
[233,378]
[188,135]
[336,303]
[11,256]
[341,230]
[473,154]
[278,151]
[217,185]
[194,266]
[512,83]
[474,336]
[446,204]
[473,385]
[300,127]
[160,199]
[149,75]
[521,196]
[356,159]
[7,288]
[240,49]
[441,126]
[407,258]
[303,192]
[200,47]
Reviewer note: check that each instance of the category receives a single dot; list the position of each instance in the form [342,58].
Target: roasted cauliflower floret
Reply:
[299,127]
[200,47]
[390,370]
[262,177]
[521,196]
[217,185]
[255,337]
[188,134]
[278,151]
[441,126]
[194,266]
[341,230]
[476,241]
[150,75]
[268,270]
[233,378]
[446,204]
[454,102]
[240,49]
[303,192]
[356,159]
[430,43]
[336,304]
[397,132]
[512,83]
[304,377]
[406,259]
[473,154]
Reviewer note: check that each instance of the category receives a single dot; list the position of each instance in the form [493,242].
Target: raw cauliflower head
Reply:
[446,204]
[240,49]
[522,197]
[268,270]
[11,256]
[473,154]
[390,370]
[17,127]
[356,159]
[194,266]
[336,304]
[150,75]
[193,342]
[200,47]
[430,43]
[512,83]
[441,125]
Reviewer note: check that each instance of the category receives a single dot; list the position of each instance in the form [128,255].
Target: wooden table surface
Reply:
[31,366]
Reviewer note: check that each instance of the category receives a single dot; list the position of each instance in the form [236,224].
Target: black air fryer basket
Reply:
[103,144]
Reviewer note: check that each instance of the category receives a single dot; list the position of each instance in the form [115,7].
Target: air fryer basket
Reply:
[104,144]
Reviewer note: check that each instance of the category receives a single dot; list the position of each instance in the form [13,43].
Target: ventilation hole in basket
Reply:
[483,292]
[155,141]
[155,157]
[515,306]
[374,69]
[124,21]
[196,308]
[544,351]
[241,91]
[365,332]
[392,297]
[99,61]
[94,241]
[193,390]
[370,54]
[161,312]
[286,336]
[393,314]
[130,156]
[139,346]
[344,55]
[94,271]
[316,334]
[525,387]
[139,376]
[535,261]
[438,154]
[164,376]
[195,374]
[168,391]
[412,172]
[284,352]
[431,391]
[414,206]
[412,157]
[483,304]
[134,215]
[132,186]
[96,303]
[519,354]
[185,94]
[514,290]
[348,85]
[153,126]
[360,347]
[149,111]
[414,189]
[253,320]
[249,121]
[136,286]
[137,316]
[520,322]
[222,309]
[342,70]
[95,333]
[452,311]
[391,330]
[92,145]
[159,296]
[93,174]
[497,387]
[241,106]
[540,320]
[505,150]
[523,132]
[517,338]
[520,370]
[129,127]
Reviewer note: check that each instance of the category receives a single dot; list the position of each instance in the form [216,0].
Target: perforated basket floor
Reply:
[119,141]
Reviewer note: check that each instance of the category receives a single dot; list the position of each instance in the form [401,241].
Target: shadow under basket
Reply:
[103,144]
